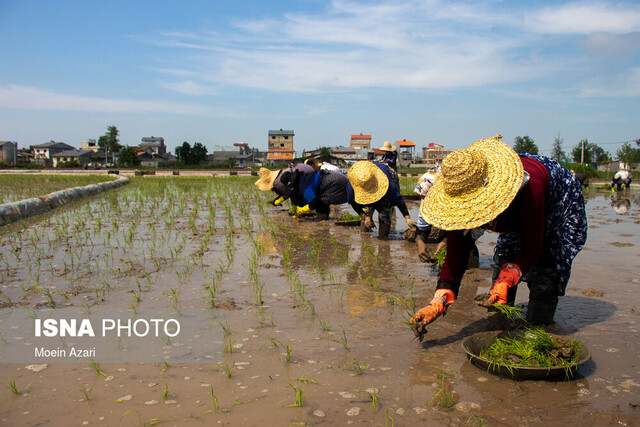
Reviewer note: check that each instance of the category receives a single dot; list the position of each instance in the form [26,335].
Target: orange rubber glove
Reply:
[509,277]
[436,308]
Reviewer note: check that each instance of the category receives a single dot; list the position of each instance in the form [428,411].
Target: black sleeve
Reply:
[403,209]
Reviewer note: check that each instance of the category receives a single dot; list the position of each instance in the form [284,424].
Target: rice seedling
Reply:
[343,340]
[287,348]
[306,380]
[150,423]
[96,367]
[325,325]
[229,369]
[357,367]
[11,385]
[444,396]
[86,393]
[228,344]
[299,396]
[476,420]
[215,406]
[371,395]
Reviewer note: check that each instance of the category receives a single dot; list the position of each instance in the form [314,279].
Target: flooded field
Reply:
[290,321]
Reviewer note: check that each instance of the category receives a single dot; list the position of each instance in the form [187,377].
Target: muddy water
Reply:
[328,322]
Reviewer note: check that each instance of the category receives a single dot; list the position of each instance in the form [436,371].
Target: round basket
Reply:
[475,344]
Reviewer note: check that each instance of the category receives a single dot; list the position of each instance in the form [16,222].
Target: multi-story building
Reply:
[361,141]
[90,144]
[280,146]
[42,153]
[155,144]
[434,153]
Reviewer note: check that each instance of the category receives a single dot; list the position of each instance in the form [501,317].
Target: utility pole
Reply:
[582,158]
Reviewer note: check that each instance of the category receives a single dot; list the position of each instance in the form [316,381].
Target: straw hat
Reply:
[476,185]
[265,182]
[387,146]
[369,183]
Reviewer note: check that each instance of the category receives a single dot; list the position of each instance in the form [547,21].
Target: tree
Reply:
[628,155]
[557,153]
[110,140]
[198,154]
[324,155]
[128,157]
[592,153]
[524,144]
[183,152]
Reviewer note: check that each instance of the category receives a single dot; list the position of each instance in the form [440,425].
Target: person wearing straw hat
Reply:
[390,156]
[532,201]
[373,188]
[269,180]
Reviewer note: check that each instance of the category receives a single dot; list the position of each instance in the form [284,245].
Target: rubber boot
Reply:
[423,252]
[541,312]
[383,230]
[474,258]
[543,295]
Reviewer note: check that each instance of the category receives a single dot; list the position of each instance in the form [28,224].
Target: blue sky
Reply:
[220,72]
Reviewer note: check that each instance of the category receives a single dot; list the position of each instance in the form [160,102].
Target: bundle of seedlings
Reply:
[530,346]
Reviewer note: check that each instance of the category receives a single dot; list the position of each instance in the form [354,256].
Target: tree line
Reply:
[584,152]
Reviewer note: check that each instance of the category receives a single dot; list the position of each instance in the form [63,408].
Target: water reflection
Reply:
[620,205]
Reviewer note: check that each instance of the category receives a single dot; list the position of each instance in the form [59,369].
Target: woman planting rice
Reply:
[534,203]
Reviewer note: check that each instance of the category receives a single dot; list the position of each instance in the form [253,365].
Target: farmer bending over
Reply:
[622,178]
[534,203]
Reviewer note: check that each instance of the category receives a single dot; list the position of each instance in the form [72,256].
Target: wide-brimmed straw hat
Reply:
[369,183]
[265,182]
[387,146]
[476,184]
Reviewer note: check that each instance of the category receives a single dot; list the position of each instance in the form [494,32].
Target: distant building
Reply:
[83,157]
[434,153]
[280,146]
[154,143]
[43,153]
[361,141]
[406,151]
[8,152]
[90,144]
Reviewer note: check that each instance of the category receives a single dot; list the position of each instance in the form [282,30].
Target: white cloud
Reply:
[410,44]
[585,18]
[626,85]
[32,98]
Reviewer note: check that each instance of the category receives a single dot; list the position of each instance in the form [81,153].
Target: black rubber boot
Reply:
[543,295]
[383,230]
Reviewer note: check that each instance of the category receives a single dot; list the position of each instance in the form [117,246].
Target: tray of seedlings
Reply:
[349,220]
[526,352]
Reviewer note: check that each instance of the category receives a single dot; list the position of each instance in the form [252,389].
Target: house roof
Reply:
[72,153]
[53,144]
[281,132]
[361,136]
[405,143]
[8,142]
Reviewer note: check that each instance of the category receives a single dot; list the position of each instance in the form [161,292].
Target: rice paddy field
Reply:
[285,321]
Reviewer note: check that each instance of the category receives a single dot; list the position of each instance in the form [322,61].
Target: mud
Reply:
[335,300]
